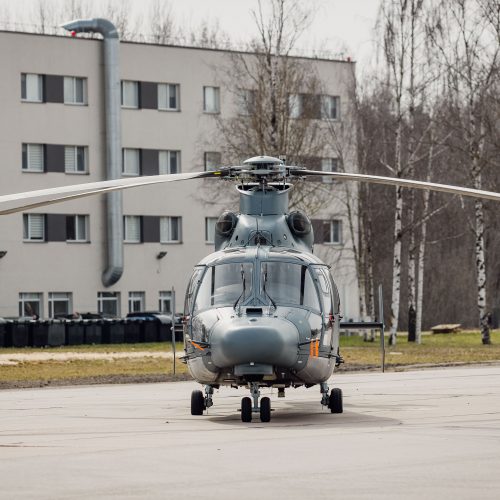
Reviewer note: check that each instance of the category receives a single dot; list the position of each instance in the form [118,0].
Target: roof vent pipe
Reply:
[114,204]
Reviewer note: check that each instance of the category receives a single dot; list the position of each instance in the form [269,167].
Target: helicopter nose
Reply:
[271,341]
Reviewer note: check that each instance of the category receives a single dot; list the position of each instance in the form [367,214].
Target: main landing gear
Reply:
[200,403]
[247,409]
[332,401]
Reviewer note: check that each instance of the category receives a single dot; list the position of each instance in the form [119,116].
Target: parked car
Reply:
[156,315]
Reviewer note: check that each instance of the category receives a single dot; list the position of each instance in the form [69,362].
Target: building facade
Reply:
[52,133]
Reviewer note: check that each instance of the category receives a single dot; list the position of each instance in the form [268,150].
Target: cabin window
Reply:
[224,285]
[288,283]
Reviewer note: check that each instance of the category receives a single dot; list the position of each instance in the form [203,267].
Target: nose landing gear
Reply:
[247,409]
[332,401]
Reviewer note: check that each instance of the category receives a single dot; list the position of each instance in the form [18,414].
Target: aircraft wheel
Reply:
[197,403]
[246,410]
[335,402]
[265,410]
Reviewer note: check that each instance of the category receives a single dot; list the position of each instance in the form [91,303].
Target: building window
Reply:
[34,227]
[31,87]
[131,162]
[169,162]
[170,229]
[168,96]
[130,94]
[75,90]
[330,107]
[211,99]
[30,304]
[247,102]
[132,228]
[75,159]
[33,158]
[77,228]
[212,160]
[333,231]
[165,302]
[136,301]
[329,165]
[210,223]
[108,304]
[295,105]
[60,304]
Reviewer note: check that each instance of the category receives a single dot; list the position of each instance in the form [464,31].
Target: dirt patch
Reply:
[106,379]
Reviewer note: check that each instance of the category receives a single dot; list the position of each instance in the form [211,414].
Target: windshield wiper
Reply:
[264,288]
[243,279]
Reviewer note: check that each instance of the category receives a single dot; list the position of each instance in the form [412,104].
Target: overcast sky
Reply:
[338,26]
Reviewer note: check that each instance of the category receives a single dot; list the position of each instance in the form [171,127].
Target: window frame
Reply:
[165,296]
[74,102]
[168,169]
[168,86]
[77,218]
[326,108]
[77,171]
[331,223]
[137,97]
[104,297]
[136,298]
[167,220]
[26,154]
[23,299]
[27,228]
[41,90]
[52,299]
[216,95]
[137,152]
[333,167]
[207,227]
[206,157]
[138,219]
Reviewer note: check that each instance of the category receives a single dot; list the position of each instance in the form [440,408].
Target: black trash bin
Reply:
[20,334]
[113,332]
[75,332]
[56,334]
[5,334]
[150,330]
[92,332]
[132,331]
[39,333]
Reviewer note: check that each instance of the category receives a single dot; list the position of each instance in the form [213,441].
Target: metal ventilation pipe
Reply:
[114,200]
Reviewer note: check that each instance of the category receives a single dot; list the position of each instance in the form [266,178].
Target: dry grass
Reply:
[464,347]
[451,348]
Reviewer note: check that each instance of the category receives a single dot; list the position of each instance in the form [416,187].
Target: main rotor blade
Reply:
[75,191]
[406,183]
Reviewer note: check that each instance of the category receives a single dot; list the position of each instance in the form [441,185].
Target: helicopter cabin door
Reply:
[329,306]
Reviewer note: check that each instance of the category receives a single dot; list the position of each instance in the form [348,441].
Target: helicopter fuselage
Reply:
[261,314]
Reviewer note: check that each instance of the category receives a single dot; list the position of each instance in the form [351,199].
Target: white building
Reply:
[52,133]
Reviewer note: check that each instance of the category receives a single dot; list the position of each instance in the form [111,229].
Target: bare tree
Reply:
[161,22]
[467,36]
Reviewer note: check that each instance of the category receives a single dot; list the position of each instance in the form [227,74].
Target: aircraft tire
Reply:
[335,402]
[246,410]
[265,410]
[197,403]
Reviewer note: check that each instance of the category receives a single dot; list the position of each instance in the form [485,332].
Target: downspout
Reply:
[114,200]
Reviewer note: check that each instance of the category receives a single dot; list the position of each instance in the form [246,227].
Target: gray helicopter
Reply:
[262,311]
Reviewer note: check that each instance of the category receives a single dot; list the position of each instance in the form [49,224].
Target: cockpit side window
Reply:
[288,283]
[193,283]
[224,285]
[328,290]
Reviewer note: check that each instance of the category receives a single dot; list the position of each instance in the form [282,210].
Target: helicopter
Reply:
[262,311]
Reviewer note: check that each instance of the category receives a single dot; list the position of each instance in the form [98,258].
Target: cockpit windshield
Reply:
[224,285]
[288,283]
